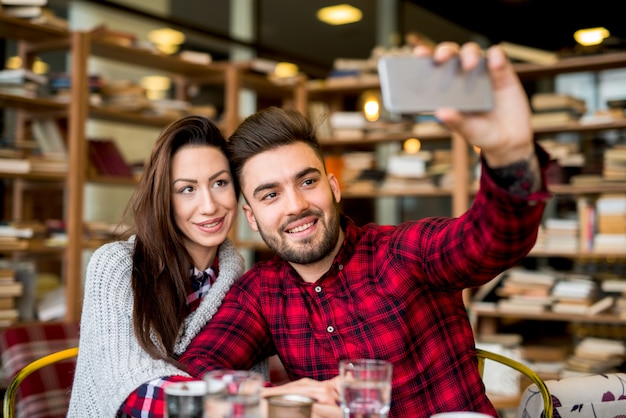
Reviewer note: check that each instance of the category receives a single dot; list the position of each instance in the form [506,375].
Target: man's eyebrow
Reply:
[266,186]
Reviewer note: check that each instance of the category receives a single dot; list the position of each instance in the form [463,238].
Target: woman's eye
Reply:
[222,183]
[186,189]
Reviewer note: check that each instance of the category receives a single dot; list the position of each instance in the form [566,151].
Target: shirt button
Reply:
[340,267]
[318,289]
[330,328]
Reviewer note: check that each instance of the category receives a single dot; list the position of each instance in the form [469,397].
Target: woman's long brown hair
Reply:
[161,263]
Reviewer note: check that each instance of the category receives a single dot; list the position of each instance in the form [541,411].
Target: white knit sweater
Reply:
[111,364]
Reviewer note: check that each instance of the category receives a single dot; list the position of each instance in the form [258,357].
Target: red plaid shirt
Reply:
[393,293]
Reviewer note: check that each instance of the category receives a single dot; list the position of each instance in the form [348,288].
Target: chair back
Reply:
[484,355]
[35,391]
[589,396]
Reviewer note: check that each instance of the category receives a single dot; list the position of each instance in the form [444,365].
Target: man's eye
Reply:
[269,196]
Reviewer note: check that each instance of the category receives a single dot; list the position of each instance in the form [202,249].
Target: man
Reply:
[335,290]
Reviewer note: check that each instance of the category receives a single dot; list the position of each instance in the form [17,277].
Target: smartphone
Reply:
[411,85]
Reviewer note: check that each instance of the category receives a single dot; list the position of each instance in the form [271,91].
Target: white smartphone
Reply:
[411,85]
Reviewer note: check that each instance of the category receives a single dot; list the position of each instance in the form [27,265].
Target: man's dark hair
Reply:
[269,129]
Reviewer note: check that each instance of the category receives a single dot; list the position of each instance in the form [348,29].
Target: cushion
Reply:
[45,393]
[593,396]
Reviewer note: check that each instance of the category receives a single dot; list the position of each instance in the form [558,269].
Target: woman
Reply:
[147,297]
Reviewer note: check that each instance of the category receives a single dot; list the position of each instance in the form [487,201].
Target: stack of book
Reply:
[595,355]
[10,290]
[354,165]
[319,112]
[558,235]
[547,359]
[347,125]
[610,223]
[575,294]
[52,157]
[124,96]
[525,291]
[23,82]
[617,288]
[408,171]
[614,167]
[23,8]
[14,237]
[553,109]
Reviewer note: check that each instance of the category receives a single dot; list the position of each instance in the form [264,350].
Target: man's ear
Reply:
[247,210]
[334,186]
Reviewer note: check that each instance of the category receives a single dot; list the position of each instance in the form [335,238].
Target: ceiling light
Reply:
[156,86]
[591,36]
[166,40]
[412,146]
[340,14]
[285,70]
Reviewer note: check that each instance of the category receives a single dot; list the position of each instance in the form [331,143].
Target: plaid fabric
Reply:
[46,392]
[148,400]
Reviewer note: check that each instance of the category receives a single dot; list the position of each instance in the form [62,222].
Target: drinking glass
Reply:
[290,406]
[185,399]
[232,394]
[365,387]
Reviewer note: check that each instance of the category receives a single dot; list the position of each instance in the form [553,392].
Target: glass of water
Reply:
[232,394]
[365,387]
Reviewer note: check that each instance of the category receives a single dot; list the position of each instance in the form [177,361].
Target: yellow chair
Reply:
[11,392]
[484,355]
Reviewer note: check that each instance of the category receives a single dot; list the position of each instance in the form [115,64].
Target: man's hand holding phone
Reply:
[502,128]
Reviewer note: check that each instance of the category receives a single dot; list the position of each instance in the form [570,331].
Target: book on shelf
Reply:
[48,135]
[197,57]
[614,285]
[11,289]
[505,305]
[7,302]
[529,54]
[41,164]
[49,18]
[107,159]
[51,306]
[105,33]
[596,355]
[601,305]
[553,118]
[24,12]
[8,317]
[7,275]
[16,231]
[14,165]
[542,102]
[587,223]
[22,75]
[23,2]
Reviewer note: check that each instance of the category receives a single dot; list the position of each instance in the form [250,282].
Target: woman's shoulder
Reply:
[113,254]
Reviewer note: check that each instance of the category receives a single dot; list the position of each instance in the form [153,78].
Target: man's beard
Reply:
[307,254]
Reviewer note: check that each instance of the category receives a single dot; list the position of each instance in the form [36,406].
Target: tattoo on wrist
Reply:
[520,178]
